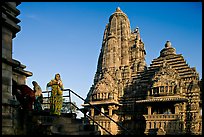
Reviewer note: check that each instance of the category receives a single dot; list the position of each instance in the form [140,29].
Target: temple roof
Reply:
[175,61]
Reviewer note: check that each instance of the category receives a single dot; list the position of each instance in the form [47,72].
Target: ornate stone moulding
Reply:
[102,102]
[163,99]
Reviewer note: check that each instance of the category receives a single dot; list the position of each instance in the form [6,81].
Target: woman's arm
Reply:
[50,83]
[61,85]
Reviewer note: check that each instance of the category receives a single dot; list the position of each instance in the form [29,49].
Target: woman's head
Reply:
[57,76]
[34,83]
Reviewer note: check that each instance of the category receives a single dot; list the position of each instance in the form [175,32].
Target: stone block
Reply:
[4,88]
[6,77]
[6,96]
[7,131]
[6,38]
[7,122]
[4,66]
[6,53]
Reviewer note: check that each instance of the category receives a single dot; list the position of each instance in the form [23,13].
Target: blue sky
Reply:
[66,37]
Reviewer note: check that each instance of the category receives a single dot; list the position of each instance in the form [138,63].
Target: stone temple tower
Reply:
[122,54]
[121,59]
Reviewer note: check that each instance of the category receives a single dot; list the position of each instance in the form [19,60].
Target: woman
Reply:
[56,95]
[24,95]
[38,96]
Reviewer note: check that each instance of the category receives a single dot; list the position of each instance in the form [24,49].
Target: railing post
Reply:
[48,94]
[70,101]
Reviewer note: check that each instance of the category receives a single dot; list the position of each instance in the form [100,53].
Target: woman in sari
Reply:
[38,97]
[24,95]
[56,95]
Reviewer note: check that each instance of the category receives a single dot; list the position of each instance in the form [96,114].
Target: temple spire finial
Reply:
[118,9]
[137,32]
[168,44]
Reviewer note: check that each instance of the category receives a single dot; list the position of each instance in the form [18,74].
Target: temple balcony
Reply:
[169,123]
[161,117]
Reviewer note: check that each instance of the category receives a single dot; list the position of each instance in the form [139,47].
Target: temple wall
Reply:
[12,123]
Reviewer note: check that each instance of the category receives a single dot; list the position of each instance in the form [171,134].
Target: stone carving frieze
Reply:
[105,88]
[165,76]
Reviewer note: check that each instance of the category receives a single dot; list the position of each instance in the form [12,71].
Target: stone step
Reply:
[88,128]
[69,115]
[70,127]
[78,133]
[63,120]
[73,127]
[87,133]
[77,121]
[65,124]
[60,126]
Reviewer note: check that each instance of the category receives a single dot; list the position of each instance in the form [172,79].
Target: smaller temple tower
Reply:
[172,95]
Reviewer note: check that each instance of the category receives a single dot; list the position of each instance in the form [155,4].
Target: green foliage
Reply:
[68,107]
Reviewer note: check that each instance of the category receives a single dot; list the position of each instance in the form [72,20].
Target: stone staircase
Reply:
[66,124]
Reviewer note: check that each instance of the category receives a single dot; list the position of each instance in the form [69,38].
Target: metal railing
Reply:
[48,92]
[69,96]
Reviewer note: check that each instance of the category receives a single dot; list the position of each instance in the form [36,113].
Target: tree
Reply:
[68,107]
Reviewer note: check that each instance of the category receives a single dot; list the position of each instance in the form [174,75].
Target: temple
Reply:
[162,99]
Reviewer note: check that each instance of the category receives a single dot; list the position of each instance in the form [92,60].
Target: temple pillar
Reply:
[147,126]
[148,94]
[102,110]
[176,108]
[167,89]
[92,112]
[149,110]
[110,110]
